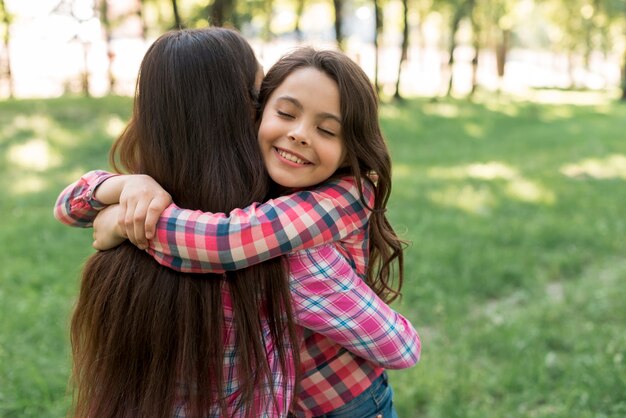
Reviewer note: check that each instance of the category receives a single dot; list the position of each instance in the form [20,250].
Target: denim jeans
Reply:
[375,401]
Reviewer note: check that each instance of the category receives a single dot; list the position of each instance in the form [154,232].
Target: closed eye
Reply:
[326,132]
[284,115]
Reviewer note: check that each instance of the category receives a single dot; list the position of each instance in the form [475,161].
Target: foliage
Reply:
[514,278]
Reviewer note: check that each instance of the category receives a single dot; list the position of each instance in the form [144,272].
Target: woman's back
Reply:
[147,339]
[140,316]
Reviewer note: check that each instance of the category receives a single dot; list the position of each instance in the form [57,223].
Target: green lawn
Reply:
[515,278]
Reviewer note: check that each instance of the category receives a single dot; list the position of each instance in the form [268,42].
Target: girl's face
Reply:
[300,132]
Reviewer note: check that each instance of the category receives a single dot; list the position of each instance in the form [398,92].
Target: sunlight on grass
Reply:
[505,108]
[391,112]
[446,110]
[114,126]
[529,191]
[483,171]
[33,155]
[28,183]
[557,112]
[584,98]
[611,167]
[517,187]
[403,171]
[474,130]
[39,124]
[477,201]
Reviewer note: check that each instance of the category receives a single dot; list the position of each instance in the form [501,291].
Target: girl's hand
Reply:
[107,233]
[142,201]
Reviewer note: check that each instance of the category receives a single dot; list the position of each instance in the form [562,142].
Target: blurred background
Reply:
[409,47]
[505,120]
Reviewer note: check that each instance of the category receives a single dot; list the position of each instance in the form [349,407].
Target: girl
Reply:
[142,342]
[319,122]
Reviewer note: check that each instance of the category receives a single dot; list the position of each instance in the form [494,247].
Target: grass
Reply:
[515,277]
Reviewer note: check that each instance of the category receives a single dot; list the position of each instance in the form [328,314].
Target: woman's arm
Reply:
[330,299]
[194,241]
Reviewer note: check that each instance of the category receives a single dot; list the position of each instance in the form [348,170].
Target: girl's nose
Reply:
[298,136]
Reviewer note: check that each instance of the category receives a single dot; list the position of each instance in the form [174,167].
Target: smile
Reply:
[291,157]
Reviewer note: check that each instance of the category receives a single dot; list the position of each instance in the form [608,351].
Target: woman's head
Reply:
[305,96]
[145,336]
[189,118]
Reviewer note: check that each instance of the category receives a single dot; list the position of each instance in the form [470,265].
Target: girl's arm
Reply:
[82,201]
[194,241]
[77,205]
[330,299]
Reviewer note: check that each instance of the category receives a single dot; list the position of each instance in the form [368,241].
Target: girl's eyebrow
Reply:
[296,102]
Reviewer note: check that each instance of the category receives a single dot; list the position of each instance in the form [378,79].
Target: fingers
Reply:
[139,222]
[156,207]
[129,221]
[141,203]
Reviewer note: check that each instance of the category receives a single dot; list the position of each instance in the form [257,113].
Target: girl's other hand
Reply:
[142,201]
[107,233]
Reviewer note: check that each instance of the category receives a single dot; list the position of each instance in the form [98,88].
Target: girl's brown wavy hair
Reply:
[144,337]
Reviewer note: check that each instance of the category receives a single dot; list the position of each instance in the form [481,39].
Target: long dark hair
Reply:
[366,152]
[144,337]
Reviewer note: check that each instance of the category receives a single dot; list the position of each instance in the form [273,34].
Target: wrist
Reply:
[109,191]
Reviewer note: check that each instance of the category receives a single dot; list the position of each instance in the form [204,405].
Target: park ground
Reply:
[515,271]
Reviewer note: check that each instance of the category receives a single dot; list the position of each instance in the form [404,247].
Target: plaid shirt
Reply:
[194,241]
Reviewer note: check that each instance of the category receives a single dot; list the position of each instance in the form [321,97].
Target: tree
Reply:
[142,20]
[404,48]
[106,25]
[624,60]
[6,38]
[222,12]
[460,11]
[502,21]
[299,11]
[476,33]
[178,23]
[378,29]
[83,13]
[338,7]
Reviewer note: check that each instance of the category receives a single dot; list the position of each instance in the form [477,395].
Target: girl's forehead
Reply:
[309,78]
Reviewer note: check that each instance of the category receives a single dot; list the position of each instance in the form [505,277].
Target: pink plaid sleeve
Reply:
[197,242]
[330,299]
[76,205]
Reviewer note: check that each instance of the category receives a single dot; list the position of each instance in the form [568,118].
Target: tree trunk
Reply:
[476,44]
[624,64]
[6,38]
[221,12]
[106,24]
[501,52]
[85,74]
[178,24]
[405,46]
[142,20]
[338,6]
[269,14]
[299,11]
[456,22]
[378,17]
